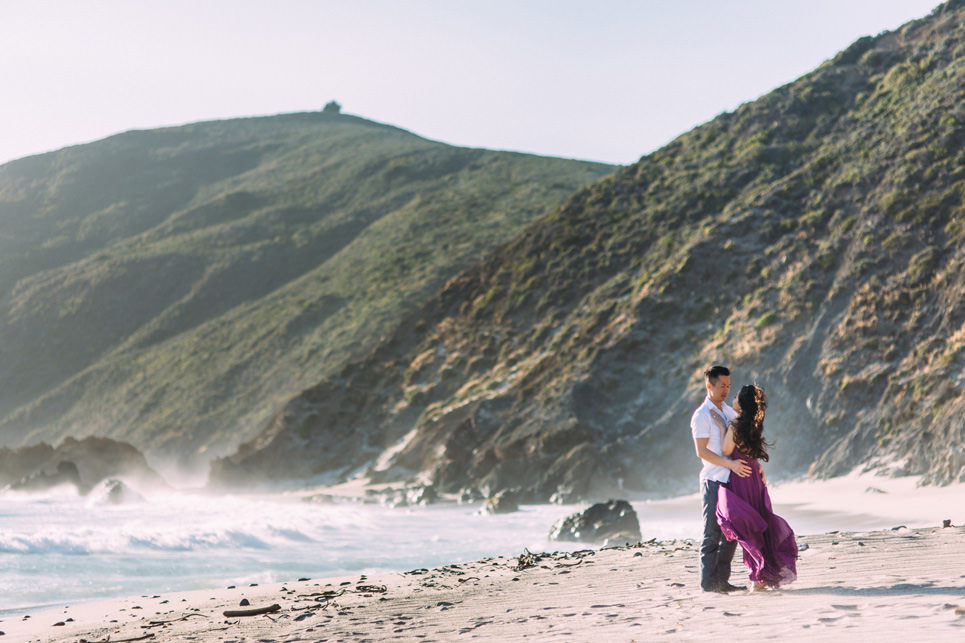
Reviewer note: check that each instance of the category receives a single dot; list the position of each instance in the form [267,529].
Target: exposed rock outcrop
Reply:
[81,463]
[610,522]
[503,502]
[113,492]
[66,474]
[404,496]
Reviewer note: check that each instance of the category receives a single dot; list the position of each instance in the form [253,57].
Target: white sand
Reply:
[856,502]
[888,585]
[877,500]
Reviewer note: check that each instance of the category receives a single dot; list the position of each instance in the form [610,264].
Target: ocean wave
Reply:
[293,535]
[41,544]
[72,549]
[229,539]
[98,542]
[170,523]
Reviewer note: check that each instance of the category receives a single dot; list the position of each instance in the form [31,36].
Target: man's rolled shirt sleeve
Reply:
[700,425]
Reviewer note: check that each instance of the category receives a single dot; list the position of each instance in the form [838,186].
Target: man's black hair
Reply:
[712,373]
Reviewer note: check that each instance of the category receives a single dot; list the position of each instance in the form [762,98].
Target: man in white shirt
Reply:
[707,426]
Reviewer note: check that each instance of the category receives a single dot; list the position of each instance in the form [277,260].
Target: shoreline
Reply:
[889,584]
[817,509]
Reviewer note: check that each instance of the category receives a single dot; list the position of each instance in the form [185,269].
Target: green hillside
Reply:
[173,287]
[813,240]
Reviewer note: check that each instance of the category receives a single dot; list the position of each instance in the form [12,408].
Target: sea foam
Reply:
[62,548]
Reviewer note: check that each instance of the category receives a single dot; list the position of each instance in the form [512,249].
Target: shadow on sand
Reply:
[884,590]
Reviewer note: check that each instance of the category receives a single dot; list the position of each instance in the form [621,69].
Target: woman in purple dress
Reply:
[743,504]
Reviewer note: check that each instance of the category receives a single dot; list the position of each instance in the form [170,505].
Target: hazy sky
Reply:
[605,80]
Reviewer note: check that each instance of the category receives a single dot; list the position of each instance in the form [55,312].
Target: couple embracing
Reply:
[736,507]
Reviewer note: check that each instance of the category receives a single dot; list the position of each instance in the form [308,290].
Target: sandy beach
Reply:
[887,585]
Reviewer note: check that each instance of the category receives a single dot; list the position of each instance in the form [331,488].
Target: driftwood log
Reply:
[254,611]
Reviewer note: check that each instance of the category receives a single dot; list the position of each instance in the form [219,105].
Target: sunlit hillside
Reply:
[813,240]
[174,287]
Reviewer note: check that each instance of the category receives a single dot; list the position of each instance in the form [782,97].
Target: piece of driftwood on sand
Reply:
[255,611]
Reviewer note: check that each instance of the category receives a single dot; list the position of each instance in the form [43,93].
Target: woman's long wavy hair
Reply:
[749,425]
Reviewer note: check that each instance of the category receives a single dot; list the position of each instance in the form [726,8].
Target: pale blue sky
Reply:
[606,80]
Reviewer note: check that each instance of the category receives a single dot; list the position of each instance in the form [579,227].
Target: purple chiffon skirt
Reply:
[745,515]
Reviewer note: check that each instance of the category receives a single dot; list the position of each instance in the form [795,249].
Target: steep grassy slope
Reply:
[813,239]
[173,287]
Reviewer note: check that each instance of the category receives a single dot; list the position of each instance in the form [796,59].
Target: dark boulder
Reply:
[389,496]
[504,502]
[565,497]
[113,492]
[612,522]
[470,495]
[421,495]
[404,496]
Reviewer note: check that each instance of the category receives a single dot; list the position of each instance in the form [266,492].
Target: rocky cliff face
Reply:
[813,240]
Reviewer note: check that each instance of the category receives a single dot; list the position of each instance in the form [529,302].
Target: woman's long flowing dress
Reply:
[745,515]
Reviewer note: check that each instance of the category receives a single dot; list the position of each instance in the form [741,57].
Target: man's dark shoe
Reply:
[727,587]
